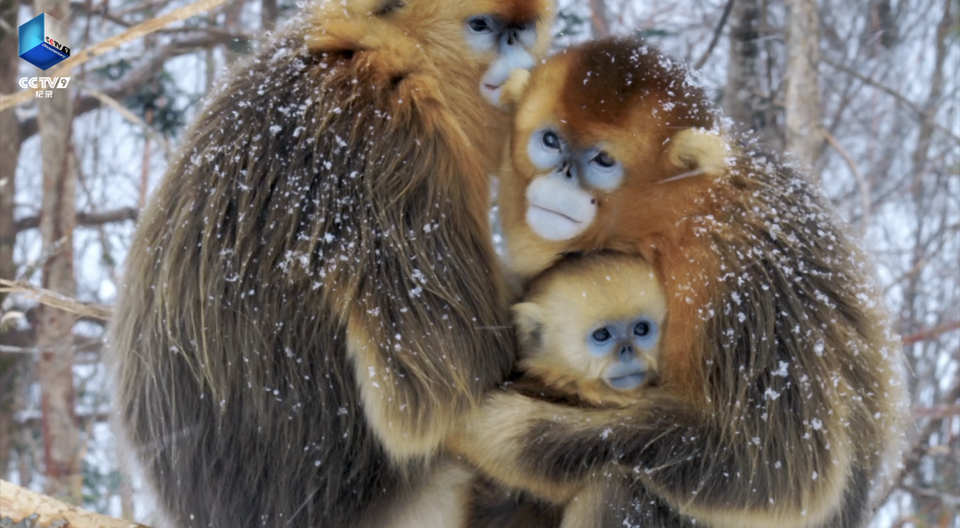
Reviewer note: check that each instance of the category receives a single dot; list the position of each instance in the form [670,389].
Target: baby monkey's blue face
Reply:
[625,344]
[592,326]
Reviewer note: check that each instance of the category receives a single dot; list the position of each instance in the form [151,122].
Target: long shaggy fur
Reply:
[312,298]
[782,394]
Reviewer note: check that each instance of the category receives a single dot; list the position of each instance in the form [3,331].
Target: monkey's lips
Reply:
[492,92]
[552,224]
[627,382]
[556,213]
[558,210]
[626,375]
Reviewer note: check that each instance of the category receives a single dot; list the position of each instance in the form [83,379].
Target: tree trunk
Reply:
[269,11]
[742,100]
[803,109]
[61,447]
[9,153]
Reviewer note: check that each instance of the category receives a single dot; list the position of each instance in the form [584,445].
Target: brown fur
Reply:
[312,300]
[781,392]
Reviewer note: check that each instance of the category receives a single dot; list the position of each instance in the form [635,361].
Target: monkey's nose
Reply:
[626,353]
[567,169]
[511,37]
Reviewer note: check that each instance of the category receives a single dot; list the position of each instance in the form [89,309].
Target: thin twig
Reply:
[716,35]
[85,218]
[857,175]
[138,31]
[56,300]
[129,116]
[893,93]
[931,333]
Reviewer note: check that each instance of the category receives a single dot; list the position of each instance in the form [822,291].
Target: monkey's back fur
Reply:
[323,188]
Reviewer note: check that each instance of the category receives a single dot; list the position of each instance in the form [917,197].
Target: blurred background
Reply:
[866,93]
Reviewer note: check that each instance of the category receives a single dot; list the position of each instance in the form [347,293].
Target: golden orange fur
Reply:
[781,391]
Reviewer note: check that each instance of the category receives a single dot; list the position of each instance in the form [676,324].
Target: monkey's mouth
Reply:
[557,213]
[628,381]
[492,92]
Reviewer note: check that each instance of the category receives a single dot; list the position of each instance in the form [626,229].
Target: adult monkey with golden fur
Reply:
[780,385]
[312,299]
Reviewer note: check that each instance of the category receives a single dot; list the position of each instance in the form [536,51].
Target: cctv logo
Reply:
[44,41]
[48,83]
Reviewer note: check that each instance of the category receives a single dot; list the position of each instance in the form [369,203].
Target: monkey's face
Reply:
[509,36]
[593,323]
[607,152]
[482,39]
[625,349]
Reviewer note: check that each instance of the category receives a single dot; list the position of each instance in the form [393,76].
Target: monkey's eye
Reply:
[604,159]
[642,329]
[389,7]
[479,25]
[551,140]
[601,335]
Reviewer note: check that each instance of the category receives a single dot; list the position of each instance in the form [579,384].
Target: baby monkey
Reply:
[589,330]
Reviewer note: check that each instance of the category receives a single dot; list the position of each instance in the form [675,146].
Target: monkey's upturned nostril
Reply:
[626,352]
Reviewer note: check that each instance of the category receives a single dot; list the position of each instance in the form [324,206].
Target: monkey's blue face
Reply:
[563,201]
[624,344]
[513,44]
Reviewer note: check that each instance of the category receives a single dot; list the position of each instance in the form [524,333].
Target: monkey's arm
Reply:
[700,467]
[426,321]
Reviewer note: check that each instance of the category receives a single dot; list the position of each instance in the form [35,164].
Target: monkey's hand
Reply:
[514,87]
[676,450]
[521,442]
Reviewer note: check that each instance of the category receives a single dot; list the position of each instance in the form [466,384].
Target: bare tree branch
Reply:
[129,116]
[136,32]
[922,443]
[931,333]
[126,214]
[862,183]
[891,92]
[134,80]
[56,300]
[18,503]
[716,35]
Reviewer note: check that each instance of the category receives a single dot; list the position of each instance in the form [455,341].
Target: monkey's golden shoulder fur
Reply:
[311,299]
[781,389]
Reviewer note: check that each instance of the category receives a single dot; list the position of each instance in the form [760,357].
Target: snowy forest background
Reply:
[881,134]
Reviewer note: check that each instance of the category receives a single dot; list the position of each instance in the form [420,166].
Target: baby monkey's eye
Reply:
[604,159]
[551,140]
[642,329]
[479,25]
[601,335]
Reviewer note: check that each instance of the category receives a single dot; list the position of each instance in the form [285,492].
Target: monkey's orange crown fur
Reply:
[642,108]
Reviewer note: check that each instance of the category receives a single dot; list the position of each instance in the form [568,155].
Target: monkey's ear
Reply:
[698,150]
[528,318]
[514,87]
